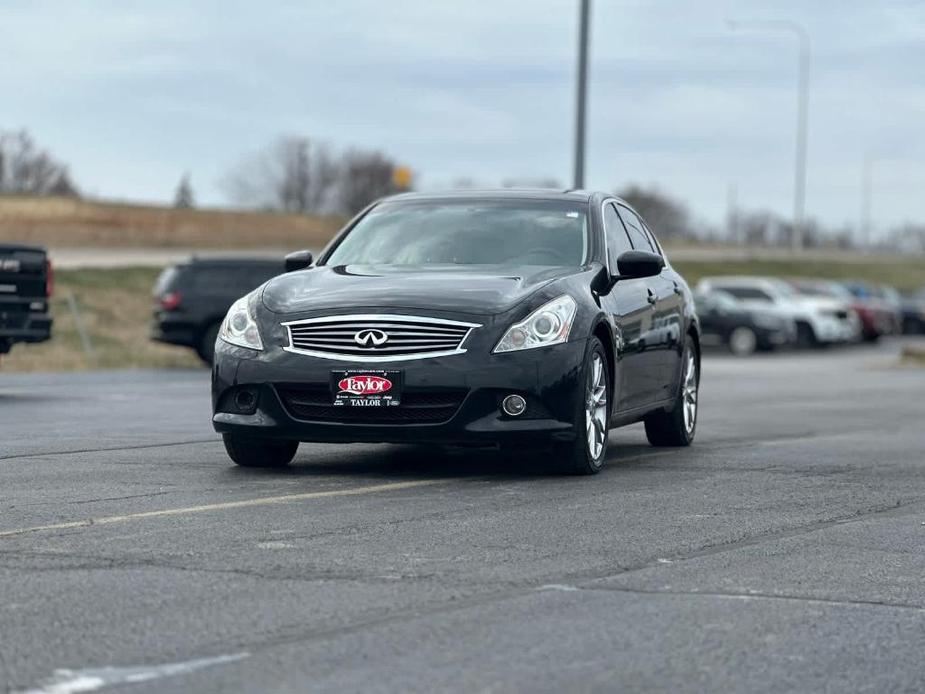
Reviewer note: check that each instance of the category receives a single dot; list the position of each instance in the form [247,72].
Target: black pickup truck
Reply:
[26,280]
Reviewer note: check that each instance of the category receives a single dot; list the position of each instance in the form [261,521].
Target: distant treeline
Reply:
[298,174]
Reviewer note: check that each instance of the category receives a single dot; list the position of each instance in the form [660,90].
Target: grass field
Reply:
[115,306]
[73,223]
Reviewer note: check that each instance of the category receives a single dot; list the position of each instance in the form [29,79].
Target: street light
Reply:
[799,176]
[581,94]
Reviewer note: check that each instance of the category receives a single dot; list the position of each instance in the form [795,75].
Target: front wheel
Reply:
[585,455]
[259,453]
[677,426]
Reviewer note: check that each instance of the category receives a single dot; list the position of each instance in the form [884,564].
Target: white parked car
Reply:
[819,320]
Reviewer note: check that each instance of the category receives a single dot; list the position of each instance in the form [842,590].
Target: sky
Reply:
[133,94]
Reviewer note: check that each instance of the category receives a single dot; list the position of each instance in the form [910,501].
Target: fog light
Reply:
[513,405]
[245,400]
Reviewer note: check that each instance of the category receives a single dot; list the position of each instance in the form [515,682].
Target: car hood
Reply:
[471,289]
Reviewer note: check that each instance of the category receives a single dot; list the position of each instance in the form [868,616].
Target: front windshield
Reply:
[470,232]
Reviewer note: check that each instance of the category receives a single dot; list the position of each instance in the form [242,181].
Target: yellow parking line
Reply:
[245,503]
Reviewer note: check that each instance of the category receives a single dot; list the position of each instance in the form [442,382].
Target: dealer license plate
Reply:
[364,388]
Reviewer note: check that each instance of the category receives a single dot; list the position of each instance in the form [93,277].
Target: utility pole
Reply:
[799,174]
[799,195]
[866,176]
[581,95]
[732,216]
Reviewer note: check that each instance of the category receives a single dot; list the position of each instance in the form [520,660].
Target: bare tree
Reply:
[291,175]
[183,198]
[24,168]
[365,176]
[63,186]
[667,216]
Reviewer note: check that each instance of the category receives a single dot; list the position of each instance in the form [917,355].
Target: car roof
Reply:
[574,195]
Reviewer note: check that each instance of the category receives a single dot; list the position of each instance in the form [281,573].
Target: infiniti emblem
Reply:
[371,338]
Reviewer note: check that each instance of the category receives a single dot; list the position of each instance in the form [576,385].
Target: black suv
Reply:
[25,286]
[192,298]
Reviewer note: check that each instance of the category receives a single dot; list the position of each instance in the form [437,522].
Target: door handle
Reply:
[651,298]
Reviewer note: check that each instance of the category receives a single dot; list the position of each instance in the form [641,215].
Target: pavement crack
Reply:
[105,449]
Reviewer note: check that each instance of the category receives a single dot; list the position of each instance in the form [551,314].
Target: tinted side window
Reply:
[634,229]
[617,240]
[652,240]
[230,279]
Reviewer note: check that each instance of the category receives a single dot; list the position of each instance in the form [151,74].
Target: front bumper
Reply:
[548,378]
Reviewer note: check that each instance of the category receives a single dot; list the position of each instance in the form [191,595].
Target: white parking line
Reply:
[245,503]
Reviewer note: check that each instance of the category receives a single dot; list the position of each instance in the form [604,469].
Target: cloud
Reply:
[132,94]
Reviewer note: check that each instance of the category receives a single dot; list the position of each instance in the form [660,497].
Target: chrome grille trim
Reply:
[409,337]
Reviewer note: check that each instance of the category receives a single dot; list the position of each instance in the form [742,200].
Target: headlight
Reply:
[548,325]
[239,327]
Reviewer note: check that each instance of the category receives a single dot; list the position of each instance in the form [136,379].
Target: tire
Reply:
[743,341]
[678,426]
[259,453]
[585,456]
[206,348]
[806,336]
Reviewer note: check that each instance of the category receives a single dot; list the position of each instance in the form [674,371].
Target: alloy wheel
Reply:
[689,392]
[596,407]
[743,341]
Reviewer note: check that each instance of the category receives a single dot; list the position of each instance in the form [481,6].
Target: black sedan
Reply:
[511,319]
[725,321]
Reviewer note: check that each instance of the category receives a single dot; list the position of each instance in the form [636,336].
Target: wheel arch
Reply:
[694,331]
[603,332]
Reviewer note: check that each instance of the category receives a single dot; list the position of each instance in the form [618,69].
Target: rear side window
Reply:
[634,227]
[167,280]
[617,240]
[232,279]
[748,293]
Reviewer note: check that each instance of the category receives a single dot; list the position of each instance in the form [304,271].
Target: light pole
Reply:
[799,174]
[581,95]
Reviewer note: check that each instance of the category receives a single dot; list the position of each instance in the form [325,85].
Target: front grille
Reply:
[313,403]
[377,338]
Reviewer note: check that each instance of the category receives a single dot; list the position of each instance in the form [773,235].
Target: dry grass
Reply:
[65,222]
[115,307]
[913,356]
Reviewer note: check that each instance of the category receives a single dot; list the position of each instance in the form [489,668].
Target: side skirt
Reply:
[624,417]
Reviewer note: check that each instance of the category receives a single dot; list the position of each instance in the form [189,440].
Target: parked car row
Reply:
[746,314]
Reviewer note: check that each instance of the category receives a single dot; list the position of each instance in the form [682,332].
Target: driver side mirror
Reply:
[637,264]
[298,261]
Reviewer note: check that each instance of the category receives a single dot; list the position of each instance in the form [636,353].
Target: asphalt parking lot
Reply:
[784,551]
